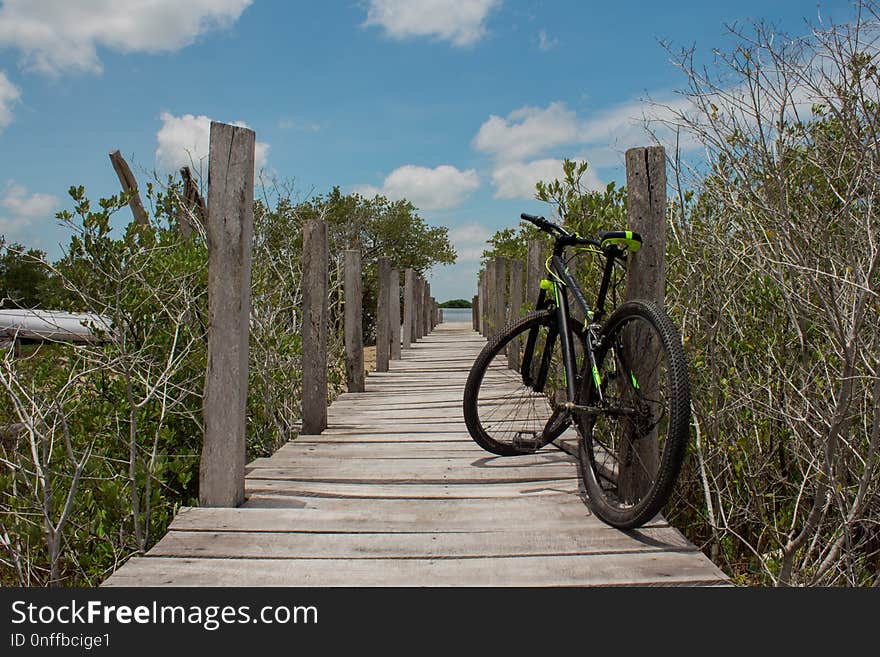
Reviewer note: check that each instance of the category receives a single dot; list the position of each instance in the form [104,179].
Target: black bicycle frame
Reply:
[564,282]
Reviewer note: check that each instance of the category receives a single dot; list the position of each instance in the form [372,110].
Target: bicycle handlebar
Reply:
[552,228]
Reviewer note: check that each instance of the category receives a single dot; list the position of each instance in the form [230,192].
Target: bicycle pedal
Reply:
[526,441]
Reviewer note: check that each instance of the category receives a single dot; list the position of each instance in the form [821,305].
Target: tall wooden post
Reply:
[645,279]
[409,284]
[500,302]
[417,304]
[491,266]
[485,304]
[394,314]
[475,312]
[426,308]
[354,332]
[314,327]
[515,304]
[383,316]
[534,271]
[646,215]
[230,232]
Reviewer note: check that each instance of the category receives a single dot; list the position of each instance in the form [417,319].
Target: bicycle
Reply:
[619,380]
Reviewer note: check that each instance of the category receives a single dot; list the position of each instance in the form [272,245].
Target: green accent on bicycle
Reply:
[547,285]
[635,383]
[596,378]
[625,242]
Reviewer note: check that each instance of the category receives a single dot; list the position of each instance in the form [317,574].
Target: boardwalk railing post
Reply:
[354,332]
[475,312]
[426,308]
[417,302]
[484,301]
[394,314]
[515,303]
[534,271]
[314,326]
[491,266]
[409,292]
[383,316]
[500,301]
[230,232]
[646,270]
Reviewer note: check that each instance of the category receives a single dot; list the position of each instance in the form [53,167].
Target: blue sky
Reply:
[458,105]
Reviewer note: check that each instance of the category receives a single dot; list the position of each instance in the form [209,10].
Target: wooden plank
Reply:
[395,515]
[260,490]
[668,569]
[230,236]
[369,463]
[518,542]
[351,474]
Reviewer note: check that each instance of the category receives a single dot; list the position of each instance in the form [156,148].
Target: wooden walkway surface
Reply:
[395,493]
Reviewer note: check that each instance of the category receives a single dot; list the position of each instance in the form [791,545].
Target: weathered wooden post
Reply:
[314,326]
[646,215]
[409,291]
[500,301]
[475,312]
[491,266]
[645,279]
[230,232]
[534,271]
[426,307]
[354,332]
[515,304]
[484,301]
[417,304]
[478,326]
[383,316]
[394,314]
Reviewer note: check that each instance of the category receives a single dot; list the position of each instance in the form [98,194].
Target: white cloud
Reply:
[461,22]
[469,241]
[517,179]
[556,132]
[19,210]
[184,140]
[546,43]
[62,35]
[428,189]
[528,131]
[9,95]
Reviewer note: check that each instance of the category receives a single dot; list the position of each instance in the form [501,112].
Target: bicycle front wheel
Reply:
[634,434]
[512,394]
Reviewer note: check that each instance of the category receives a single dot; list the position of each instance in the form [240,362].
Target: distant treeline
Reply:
[456,303]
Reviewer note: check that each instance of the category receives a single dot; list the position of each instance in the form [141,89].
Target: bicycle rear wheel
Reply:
[633,439]
[511,408]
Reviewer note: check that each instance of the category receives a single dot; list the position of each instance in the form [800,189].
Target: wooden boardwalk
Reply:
[395,493]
